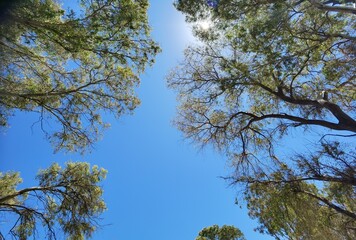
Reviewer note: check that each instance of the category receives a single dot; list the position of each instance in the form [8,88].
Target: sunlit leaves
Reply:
[8,183]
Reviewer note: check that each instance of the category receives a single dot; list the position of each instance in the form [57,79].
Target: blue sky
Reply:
[159,186]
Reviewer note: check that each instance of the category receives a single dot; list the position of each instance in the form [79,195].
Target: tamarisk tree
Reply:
[265,70]
[71,65]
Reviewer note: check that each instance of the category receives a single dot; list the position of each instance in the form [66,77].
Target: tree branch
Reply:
[345,121]
[24,191]
[330,204]
[340,9]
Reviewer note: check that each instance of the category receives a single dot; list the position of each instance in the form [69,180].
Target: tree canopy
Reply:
[69,198]
[299,210]
[265,71]
[70,66]
[220,233]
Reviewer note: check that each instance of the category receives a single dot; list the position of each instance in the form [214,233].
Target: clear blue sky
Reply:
[159,186]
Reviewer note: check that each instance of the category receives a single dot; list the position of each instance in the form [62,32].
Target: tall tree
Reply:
[72,65]
[266,69]
[220,233]
[68,198]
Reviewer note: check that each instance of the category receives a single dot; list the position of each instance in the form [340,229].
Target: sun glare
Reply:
[204,24]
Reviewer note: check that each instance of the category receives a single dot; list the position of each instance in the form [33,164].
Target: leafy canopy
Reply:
[71,66]
[68,198]
[266,70]
[220,233]
[299,210]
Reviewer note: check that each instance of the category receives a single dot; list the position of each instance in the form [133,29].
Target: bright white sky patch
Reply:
[204,24]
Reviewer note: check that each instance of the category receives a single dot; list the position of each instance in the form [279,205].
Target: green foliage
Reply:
[69,198]
[70,66]
[262,68]
[224,233]
[8,183]
[292,210]
[266,69]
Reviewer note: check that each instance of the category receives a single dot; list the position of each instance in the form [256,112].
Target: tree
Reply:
[69,198]
[224,233]
[299,210]
[264,70]
[71,66]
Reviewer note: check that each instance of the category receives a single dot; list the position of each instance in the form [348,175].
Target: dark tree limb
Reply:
[345,121]
[330,204]
[340,9]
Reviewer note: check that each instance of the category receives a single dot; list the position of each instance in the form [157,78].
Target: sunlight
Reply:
[204,24]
